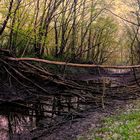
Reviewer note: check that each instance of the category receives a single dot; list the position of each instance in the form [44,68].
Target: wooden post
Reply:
[104,89]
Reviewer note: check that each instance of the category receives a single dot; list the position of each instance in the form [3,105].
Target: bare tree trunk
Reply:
[43,34]
[82,28]
[12,46]
[90,34]
[35,24]
[7,18]
[56,38]
[74,30]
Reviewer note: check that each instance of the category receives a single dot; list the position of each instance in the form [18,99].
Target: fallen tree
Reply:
[73,64]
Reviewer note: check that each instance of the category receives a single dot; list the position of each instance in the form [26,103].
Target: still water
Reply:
[12,126]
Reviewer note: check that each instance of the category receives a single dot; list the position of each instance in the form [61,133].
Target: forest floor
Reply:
[119,120]
[122,126]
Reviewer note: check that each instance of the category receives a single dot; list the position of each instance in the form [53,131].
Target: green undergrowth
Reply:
[125,126]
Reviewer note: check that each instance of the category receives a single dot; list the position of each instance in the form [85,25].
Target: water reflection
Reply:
[12,125]
[3,128]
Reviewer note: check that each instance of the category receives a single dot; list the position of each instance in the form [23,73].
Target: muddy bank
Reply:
[91,119]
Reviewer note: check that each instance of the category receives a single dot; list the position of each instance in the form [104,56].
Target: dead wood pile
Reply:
[30,88]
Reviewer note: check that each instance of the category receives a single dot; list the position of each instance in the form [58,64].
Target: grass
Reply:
[125,126]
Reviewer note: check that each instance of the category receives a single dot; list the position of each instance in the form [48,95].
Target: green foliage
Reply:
[125,126]
[36,25]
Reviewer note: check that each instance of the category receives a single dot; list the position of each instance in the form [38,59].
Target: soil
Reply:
[91,119]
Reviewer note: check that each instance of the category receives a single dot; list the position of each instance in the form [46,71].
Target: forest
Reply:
[77,31]
[61,60]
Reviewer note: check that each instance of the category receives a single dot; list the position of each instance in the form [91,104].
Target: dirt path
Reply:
[91,119]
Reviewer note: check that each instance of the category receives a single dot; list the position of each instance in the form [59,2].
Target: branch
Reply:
[7,18]
[133,23]
[72,64]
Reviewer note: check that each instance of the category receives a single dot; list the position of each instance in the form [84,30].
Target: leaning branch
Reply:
[7,18]
[126,20]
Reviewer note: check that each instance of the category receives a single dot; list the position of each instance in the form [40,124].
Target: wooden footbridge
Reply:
[47,89]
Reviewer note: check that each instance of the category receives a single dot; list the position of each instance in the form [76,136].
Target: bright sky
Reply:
[120,7]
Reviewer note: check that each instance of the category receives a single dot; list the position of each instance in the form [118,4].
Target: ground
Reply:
[123,126]
[117,121]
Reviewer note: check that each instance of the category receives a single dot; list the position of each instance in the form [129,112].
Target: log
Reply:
[72,64]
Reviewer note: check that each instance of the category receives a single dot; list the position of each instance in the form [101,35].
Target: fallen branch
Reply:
[72,64]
